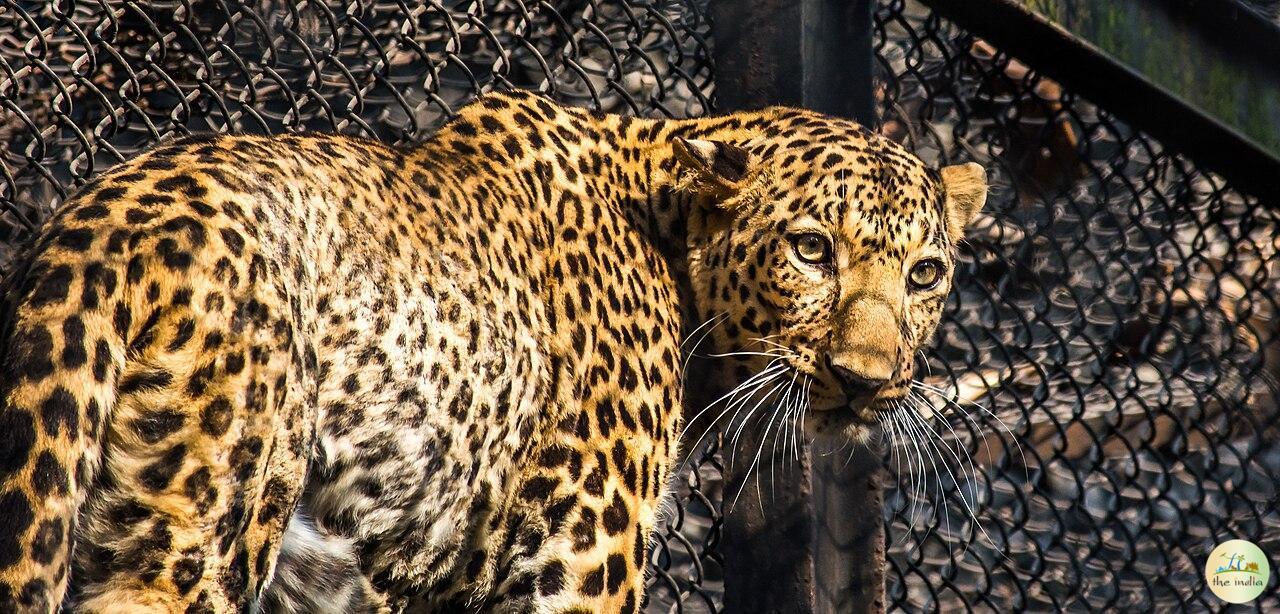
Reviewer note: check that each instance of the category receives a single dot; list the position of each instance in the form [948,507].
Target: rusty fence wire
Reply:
[1107,368]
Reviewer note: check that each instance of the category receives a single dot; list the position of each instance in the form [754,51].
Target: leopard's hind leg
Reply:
[207,444]
[156,372]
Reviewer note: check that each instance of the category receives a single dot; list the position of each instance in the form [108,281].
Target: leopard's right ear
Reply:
[714,166]
[965,187]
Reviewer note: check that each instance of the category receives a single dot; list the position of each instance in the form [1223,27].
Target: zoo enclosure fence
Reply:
[1111,344]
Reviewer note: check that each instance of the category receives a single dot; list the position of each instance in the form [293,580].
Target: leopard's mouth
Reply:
[857,425]
[831,397]
[856,419]
[805,389]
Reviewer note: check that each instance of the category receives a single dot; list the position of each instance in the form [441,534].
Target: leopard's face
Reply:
[823,265]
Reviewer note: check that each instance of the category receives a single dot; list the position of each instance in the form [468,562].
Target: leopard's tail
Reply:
[60,354]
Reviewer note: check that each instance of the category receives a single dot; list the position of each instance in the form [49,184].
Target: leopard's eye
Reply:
[925,274]
[812,248]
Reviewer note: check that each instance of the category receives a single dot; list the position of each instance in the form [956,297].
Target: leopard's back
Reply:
[228,332]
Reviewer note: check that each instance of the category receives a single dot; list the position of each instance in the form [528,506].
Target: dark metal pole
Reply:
[809,537]
[849,561]
[811,53]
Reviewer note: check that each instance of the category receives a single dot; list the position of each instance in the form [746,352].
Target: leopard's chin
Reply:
[847,423]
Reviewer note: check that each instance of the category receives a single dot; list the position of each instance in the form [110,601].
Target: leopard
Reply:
[314,372]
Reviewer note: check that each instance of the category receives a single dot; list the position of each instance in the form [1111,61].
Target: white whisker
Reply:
[693,332]
[754,461]
[1012,436]
[766,341]
[733,447]
[733,354]
[974,428]
[973,469]
[718,319]
[804,411]
[968,506]
[783,409]
[928,369]
[927,453]
[917,494]
[746,389]
[784,404]
[769,370]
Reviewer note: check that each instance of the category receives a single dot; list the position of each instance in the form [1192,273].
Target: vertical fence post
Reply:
[808,539]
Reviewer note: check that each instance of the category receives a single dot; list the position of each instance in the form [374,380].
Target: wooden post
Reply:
[807,538]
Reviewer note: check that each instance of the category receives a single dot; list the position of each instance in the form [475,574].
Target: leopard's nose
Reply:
[857,385]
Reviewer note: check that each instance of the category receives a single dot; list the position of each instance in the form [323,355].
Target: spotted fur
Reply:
[455,367]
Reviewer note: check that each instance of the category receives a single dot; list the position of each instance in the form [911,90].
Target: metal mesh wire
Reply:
[1112,346]
[85,85]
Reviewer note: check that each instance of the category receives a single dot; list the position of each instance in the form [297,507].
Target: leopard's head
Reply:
[821,257]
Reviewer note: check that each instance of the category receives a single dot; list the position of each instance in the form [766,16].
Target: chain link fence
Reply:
[85,85]
[1111,348]
[1106,369]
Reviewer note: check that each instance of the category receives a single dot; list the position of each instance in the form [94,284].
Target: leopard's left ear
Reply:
[965,186]
[715,165]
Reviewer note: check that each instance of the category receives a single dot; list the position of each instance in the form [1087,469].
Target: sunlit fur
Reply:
[461,361]
[782,321]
